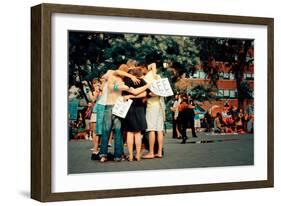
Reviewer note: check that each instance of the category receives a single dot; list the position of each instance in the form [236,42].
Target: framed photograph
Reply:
[128,102]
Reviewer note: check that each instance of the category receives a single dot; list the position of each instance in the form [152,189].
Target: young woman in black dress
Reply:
[135,121]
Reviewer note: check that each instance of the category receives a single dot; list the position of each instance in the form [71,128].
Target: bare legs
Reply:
[178,132]
[130,145]
[138,145]
[160,139]
[134,137]
[151,145]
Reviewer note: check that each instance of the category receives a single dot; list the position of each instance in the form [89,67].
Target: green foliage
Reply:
[201,93]
[92,54]
[245,91]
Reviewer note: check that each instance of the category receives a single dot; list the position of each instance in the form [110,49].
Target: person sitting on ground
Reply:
[218,127]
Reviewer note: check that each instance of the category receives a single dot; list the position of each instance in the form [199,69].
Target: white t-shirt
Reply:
[175,105]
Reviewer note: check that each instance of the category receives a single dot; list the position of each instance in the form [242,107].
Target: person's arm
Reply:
[134,79]
[173,109]
[130,96]
[91,96]
[151,94]
[116,87]
[139,89]
[106,75]
[191,106]
[153,68]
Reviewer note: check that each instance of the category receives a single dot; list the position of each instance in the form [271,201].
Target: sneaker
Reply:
[117,159]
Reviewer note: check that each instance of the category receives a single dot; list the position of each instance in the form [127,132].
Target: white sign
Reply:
[121,107]
[162,87]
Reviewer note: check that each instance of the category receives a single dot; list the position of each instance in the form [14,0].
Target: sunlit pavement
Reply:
[208,150]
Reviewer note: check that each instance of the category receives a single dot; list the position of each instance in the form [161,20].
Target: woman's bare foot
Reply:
[130,158]
[148,156]
[103,159]
[137,157]
[158,155]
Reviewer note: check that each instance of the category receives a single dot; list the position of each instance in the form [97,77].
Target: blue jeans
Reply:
[111,122]
[99,123]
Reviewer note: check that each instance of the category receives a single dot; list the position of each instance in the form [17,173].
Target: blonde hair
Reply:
[131,62]
[123,67]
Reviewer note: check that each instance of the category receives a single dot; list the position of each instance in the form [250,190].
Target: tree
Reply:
[92,54]
[234,52]
[202,93]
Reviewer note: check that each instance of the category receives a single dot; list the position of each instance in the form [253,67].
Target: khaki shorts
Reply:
[155,118]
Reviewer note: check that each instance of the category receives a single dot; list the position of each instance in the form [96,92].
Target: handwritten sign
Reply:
[121,107]
[161,87]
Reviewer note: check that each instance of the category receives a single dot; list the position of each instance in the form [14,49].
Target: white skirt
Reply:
[155,118]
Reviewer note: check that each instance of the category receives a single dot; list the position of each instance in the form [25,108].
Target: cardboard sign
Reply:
[121,107]
[162,87]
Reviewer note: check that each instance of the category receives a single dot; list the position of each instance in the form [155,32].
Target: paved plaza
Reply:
[208,150]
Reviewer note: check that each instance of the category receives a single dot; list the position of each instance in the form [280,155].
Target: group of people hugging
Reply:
[146,113]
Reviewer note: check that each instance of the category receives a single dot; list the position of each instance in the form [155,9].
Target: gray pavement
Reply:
[207,150]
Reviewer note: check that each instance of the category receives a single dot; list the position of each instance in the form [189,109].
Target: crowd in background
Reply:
[230,120]
[234,120]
